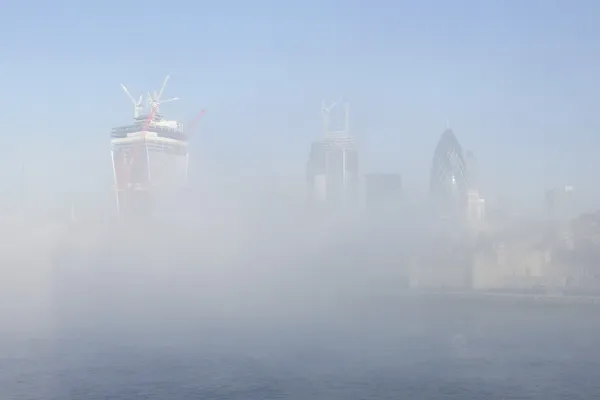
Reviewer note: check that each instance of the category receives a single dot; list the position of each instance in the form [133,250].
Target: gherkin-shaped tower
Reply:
[448,183]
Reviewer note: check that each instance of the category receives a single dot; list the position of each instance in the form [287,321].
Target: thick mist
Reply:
[238,257]
[247,255]
[255,292]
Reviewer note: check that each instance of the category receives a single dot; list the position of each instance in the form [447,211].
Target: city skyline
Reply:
[517,81]
[448,148]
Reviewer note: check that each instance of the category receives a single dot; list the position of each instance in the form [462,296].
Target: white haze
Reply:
[243,282]
[240,255]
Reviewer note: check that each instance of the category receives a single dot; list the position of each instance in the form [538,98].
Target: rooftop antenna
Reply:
[137,105]
[447,124]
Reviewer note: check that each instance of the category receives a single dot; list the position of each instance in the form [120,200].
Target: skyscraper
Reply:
[332,170]
[448,183]
[150,158]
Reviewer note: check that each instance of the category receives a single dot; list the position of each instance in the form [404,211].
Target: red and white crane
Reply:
[151,134]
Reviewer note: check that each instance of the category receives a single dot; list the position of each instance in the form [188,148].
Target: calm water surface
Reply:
[384,349]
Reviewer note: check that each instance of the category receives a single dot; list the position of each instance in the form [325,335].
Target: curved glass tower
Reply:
[448,183]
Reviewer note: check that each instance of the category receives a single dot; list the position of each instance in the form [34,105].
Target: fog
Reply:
[246,285]
[233,254]
[231,257]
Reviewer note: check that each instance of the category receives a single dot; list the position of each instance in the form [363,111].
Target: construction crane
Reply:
[154,99]
[194,123]
[137,105]
[134,171]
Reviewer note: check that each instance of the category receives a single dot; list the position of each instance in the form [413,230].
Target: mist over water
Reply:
[253,300]
[240,290]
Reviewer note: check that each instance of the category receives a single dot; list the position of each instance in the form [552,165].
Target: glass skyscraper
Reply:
[448,185]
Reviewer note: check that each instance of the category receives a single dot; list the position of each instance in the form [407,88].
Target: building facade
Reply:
[332,174]
[333,166]
[448,185]
[149,159]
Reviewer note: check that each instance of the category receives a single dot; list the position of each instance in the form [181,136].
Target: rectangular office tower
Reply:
[332,171]
[149,166]
[150,160]
[332,174]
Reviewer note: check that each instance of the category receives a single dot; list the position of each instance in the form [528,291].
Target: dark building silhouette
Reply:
[448,185]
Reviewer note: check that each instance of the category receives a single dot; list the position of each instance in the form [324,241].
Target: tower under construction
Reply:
[332,170]
[149,157]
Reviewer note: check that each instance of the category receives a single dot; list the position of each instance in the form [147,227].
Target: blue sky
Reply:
[517,80]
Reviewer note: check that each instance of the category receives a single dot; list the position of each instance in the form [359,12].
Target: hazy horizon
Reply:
[244,291]
[516,81]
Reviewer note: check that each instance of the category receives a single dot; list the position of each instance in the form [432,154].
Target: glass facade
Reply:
[147,172]
[449,179]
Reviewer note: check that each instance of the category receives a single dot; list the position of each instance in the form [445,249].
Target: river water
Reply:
[386,348]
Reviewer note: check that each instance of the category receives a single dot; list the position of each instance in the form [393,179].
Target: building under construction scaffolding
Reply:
[332,170]
[150,158]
